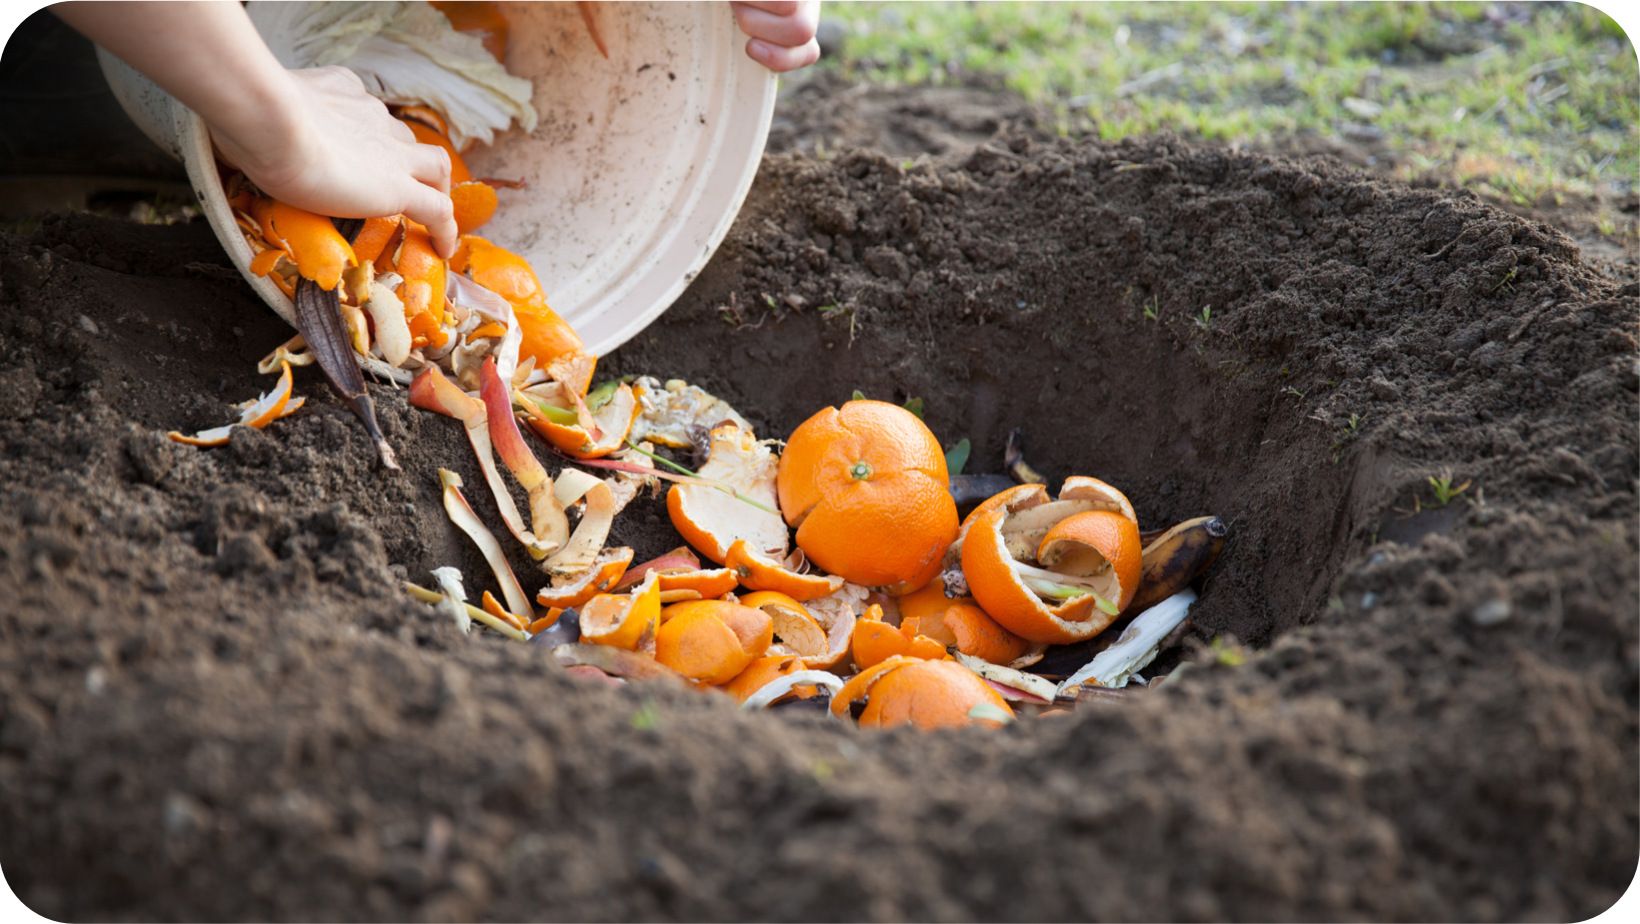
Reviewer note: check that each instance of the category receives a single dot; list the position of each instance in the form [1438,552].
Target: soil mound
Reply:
[217,705]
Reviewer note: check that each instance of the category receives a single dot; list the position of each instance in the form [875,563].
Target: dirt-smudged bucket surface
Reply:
[216,704]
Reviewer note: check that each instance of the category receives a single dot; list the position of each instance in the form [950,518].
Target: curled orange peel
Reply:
[601,578]
[796,631]
[258,414]
[760,572]
[1051,577]
[607,433]
[682,576]
[491,605]
[310,240]
[626,621]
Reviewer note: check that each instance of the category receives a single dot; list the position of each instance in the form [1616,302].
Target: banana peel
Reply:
[1177,556]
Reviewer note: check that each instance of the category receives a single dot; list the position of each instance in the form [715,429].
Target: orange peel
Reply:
[796,631]
[427,134]
[601,578]
[424,285]
[760,572]
[837,613]
[546,336]
[762,672]
[712,641]
[961,624]
[474,203]
[489,604]
[875,641]
[258,414]
[680,573]
[626,621]
[310,240]
[612,421]
[712,518]
[930,695]
[1052,571]
[375,236]
[476,17]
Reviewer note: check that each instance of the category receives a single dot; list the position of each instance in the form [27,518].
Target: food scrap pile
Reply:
[832,569]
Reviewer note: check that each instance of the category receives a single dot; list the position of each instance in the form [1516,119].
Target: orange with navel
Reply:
[866,487]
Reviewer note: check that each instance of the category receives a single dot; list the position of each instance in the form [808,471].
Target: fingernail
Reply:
[760,50]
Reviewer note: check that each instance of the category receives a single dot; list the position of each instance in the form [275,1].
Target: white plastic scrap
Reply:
[1136,648]
[455,596]
[406,53]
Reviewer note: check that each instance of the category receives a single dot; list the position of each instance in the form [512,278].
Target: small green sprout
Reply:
[1443,489]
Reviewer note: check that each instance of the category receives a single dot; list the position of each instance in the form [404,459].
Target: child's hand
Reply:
[781,32]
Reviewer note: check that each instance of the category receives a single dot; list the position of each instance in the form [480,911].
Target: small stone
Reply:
[1491,613]
[88,325]
[1362,108]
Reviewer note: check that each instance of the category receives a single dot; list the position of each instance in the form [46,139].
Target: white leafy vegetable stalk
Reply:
[406,53]
[1137,647]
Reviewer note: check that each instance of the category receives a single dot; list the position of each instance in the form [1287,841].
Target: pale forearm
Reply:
[206,54]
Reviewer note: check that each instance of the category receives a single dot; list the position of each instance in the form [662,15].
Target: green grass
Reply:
[1522,101]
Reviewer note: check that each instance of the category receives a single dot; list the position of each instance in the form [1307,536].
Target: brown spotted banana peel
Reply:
[1176,557]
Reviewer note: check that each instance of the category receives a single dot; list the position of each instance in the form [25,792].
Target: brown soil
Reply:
[215,704]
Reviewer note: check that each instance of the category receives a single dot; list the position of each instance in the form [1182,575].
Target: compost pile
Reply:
[1417,414]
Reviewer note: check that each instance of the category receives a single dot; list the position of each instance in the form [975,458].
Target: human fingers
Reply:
[430,165]
[790,30]
[433,209]
[777,7]
[781,60]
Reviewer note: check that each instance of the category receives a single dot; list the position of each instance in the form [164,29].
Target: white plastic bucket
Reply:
[634,173]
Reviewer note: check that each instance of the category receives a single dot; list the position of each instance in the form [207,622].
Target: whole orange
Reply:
[866,487]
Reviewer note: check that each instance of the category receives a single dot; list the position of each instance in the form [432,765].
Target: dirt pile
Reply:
[215,704]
